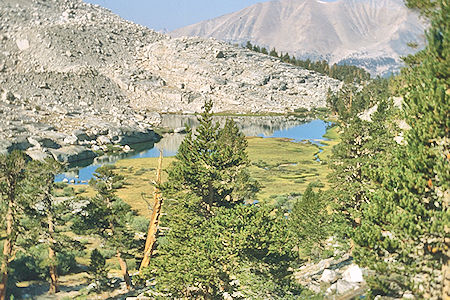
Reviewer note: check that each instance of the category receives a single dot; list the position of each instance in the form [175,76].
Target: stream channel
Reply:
[264,126]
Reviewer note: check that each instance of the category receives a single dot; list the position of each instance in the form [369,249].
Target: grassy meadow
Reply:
[281,166]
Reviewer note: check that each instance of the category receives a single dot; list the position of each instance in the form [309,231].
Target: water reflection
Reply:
[265,126]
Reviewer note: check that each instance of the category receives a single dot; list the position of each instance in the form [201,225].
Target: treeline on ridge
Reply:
[346,73]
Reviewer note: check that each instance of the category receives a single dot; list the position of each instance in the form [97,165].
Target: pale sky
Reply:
[172,14]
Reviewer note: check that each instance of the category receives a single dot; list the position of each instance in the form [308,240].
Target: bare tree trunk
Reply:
[446,253]
[7,250]
[154,219]
[52,258]
[124,269]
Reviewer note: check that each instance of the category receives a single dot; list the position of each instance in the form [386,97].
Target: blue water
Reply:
[81,175]
[312,131]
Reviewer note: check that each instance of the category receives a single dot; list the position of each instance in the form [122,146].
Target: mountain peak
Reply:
[372,34]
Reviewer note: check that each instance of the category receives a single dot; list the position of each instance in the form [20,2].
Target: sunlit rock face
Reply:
[75,74]
[372,34]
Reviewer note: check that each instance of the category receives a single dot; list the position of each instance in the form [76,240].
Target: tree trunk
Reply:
[154,219]
[446,253]
[52,258]
[7,250]
[124,269]
[210,197]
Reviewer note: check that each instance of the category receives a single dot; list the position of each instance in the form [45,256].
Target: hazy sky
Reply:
[172,14]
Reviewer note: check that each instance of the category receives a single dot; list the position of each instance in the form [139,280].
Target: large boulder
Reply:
[328,276]
[130,137]
[44,142]
[353,274]
[4,146]
[343,286]
[69,154]
[81,135]
[37,154]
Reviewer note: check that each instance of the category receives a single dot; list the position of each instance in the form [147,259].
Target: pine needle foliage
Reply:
[404,235]
[212,163]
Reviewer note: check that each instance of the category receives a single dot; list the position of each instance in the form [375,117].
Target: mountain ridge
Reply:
[373,34]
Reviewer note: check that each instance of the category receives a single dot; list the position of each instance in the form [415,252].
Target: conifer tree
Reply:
[309,222]
[46,217]
[206,255]
[97,268]
[404,234]
[212,163]
[273,52]
[107,216]
[12,206]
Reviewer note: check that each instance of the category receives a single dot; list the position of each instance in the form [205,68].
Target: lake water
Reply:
[264,126]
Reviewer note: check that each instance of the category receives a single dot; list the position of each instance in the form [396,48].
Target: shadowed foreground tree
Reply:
[12,206]
[46,216]
[405,235]
[107,216]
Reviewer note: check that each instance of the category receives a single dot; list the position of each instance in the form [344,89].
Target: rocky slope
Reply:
[369,33]
[74,76]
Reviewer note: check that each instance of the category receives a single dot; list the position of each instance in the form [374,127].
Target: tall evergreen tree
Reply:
[404,234]
[46,216]
[12,207]
[108,216]
[309,222]
[235,248]
[212,163]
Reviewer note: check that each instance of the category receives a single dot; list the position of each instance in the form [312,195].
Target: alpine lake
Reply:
[286,153]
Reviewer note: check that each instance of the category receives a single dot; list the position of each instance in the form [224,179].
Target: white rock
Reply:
[408,295]
[127,148]
[315,287]
[37,154]
[71,140]
[353,274]
[103,140]
[23,44]
[65,180]
[179,130]
[328,276]
[343,286]
[331,289]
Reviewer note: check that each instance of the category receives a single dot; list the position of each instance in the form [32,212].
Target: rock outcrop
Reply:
[75,74]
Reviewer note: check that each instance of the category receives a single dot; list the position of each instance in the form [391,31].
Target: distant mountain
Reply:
[372,34]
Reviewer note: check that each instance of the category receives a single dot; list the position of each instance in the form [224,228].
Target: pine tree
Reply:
[201,257]
[12,206]
[309,222]
[213,163]
[404,234]
[107,216]
[45,218]
[273,52]
[204,255]
[97,268]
